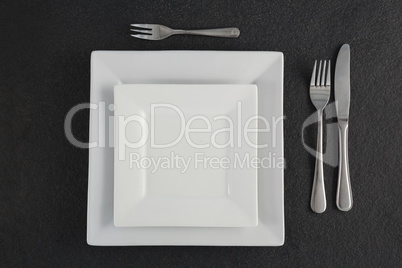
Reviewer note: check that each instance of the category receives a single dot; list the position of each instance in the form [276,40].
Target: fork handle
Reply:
[221,32]
[344,199]
[318,200]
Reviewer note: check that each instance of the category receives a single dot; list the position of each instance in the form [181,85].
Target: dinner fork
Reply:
[320,90]
[159,32]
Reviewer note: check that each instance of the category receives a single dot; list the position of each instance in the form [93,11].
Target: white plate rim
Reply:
[99,231]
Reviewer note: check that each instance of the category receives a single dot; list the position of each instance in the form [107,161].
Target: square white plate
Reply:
[109,68]
[193,130]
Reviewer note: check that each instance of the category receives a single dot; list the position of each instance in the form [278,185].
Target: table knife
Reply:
[344,199]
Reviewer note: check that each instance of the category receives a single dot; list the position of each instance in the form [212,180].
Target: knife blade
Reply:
[342,82]
[344,199]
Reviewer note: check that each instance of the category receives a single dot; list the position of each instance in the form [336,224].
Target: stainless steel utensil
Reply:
[159,32]
[344,199]
[320,90]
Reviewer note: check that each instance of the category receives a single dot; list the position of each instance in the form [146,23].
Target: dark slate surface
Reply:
[44,70]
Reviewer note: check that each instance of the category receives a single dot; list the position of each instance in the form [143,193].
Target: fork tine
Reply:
[319,74]
[328,82]
[141,25]
[312,83]
[142,36]
[322,81]
[141,31]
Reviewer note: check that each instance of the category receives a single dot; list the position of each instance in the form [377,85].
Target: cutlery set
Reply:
[320,89]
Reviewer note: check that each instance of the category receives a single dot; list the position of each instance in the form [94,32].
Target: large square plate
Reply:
[179,154]
[110,68]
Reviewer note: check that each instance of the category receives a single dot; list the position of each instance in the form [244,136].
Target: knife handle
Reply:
[344,199]
[318,201]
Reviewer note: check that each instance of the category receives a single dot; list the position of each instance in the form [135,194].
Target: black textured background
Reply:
[45,51]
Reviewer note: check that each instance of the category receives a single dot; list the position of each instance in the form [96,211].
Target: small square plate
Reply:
[186,162]
[110,68]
